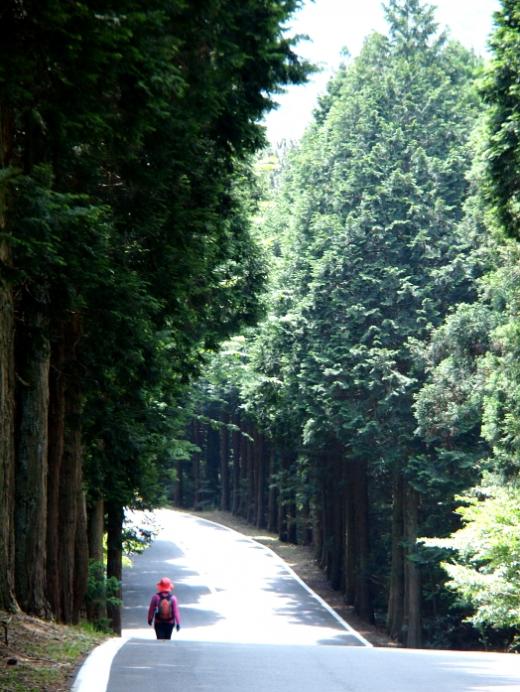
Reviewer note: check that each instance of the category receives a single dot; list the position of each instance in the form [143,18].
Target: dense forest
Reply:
[126,132]
[374,410]
[321,338]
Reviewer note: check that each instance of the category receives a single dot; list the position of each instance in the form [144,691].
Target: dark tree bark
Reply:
[235,477]
[306,525]
[95,529]
[332,556]
[362,599]
[32,357]
[292,488]
[350,538]
[251,478]
[212,469]
[225,503]
[7,599]
[55,458]
[242,478]
[81,557]
[178,492]
[395,615]
[115,518]
[96,604]
[70,478]
[260,481]
[272,497]
[284,520]
[321,530]
[412,572]
[195,468]
[292,519]
[337,499]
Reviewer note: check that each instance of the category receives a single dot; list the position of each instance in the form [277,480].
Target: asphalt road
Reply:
[249,625]
[229,588]
[224,667]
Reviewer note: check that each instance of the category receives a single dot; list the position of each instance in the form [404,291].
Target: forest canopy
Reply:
[126,131]
[321,338]
[364,412]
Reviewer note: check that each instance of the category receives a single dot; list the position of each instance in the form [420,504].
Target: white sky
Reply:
[336,24]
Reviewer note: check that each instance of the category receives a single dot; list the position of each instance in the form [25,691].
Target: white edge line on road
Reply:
[320,600]
[95,671]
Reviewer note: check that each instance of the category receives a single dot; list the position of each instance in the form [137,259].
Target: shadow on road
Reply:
[163,558]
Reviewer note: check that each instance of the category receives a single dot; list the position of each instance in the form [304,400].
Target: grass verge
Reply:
[41,656]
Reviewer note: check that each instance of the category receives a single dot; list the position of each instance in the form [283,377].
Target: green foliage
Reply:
[502,387]
[391,334]
[139,531]
[484,570]
[101,591]
[468,410]
[372,241]
[130,136]
[449,406]
[501,91]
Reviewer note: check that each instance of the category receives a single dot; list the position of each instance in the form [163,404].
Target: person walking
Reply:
[164,610]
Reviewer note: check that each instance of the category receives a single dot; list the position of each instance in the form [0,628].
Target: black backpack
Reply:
[164,609]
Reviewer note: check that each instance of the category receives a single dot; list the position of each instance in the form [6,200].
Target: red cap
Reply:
[164,585]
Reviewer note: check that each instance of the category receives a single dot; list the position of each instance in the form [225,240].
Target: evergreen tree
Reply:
[501,94]
[125,253]
[370,256]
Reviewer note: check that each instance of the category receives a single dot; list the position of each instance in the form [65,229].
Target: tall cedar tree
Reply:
[372,258]
[501,92]
[124,253]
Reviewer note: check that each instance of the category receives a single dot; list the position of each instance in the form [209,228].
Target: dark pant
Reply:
[163,630]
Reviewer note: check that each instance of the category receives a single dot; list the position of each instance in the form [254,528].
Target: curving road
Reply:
[249,625]
[230,589]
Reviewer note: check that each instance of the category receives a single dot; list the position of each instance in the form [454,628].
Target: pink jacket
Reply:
[155,602]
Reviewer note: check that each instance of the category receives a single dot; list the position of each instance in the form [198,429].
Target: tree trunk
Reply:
[55,458]
[332,541]
[212,470]
[115,518]
[260,481]
[32,362]
[292,522]
[362,600]
[412,573]
[282,504]
[395,616]
[251,477]
[324,529]
[7,599]
[272,498]
[81,557]
[95,530]
[195,465]
[198,441]
[286,517]
[242,476]
[178,492]
[350,537]
[337,499]
[306,525]
[224,465]
[96,602]
[235,475]
[70,479]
